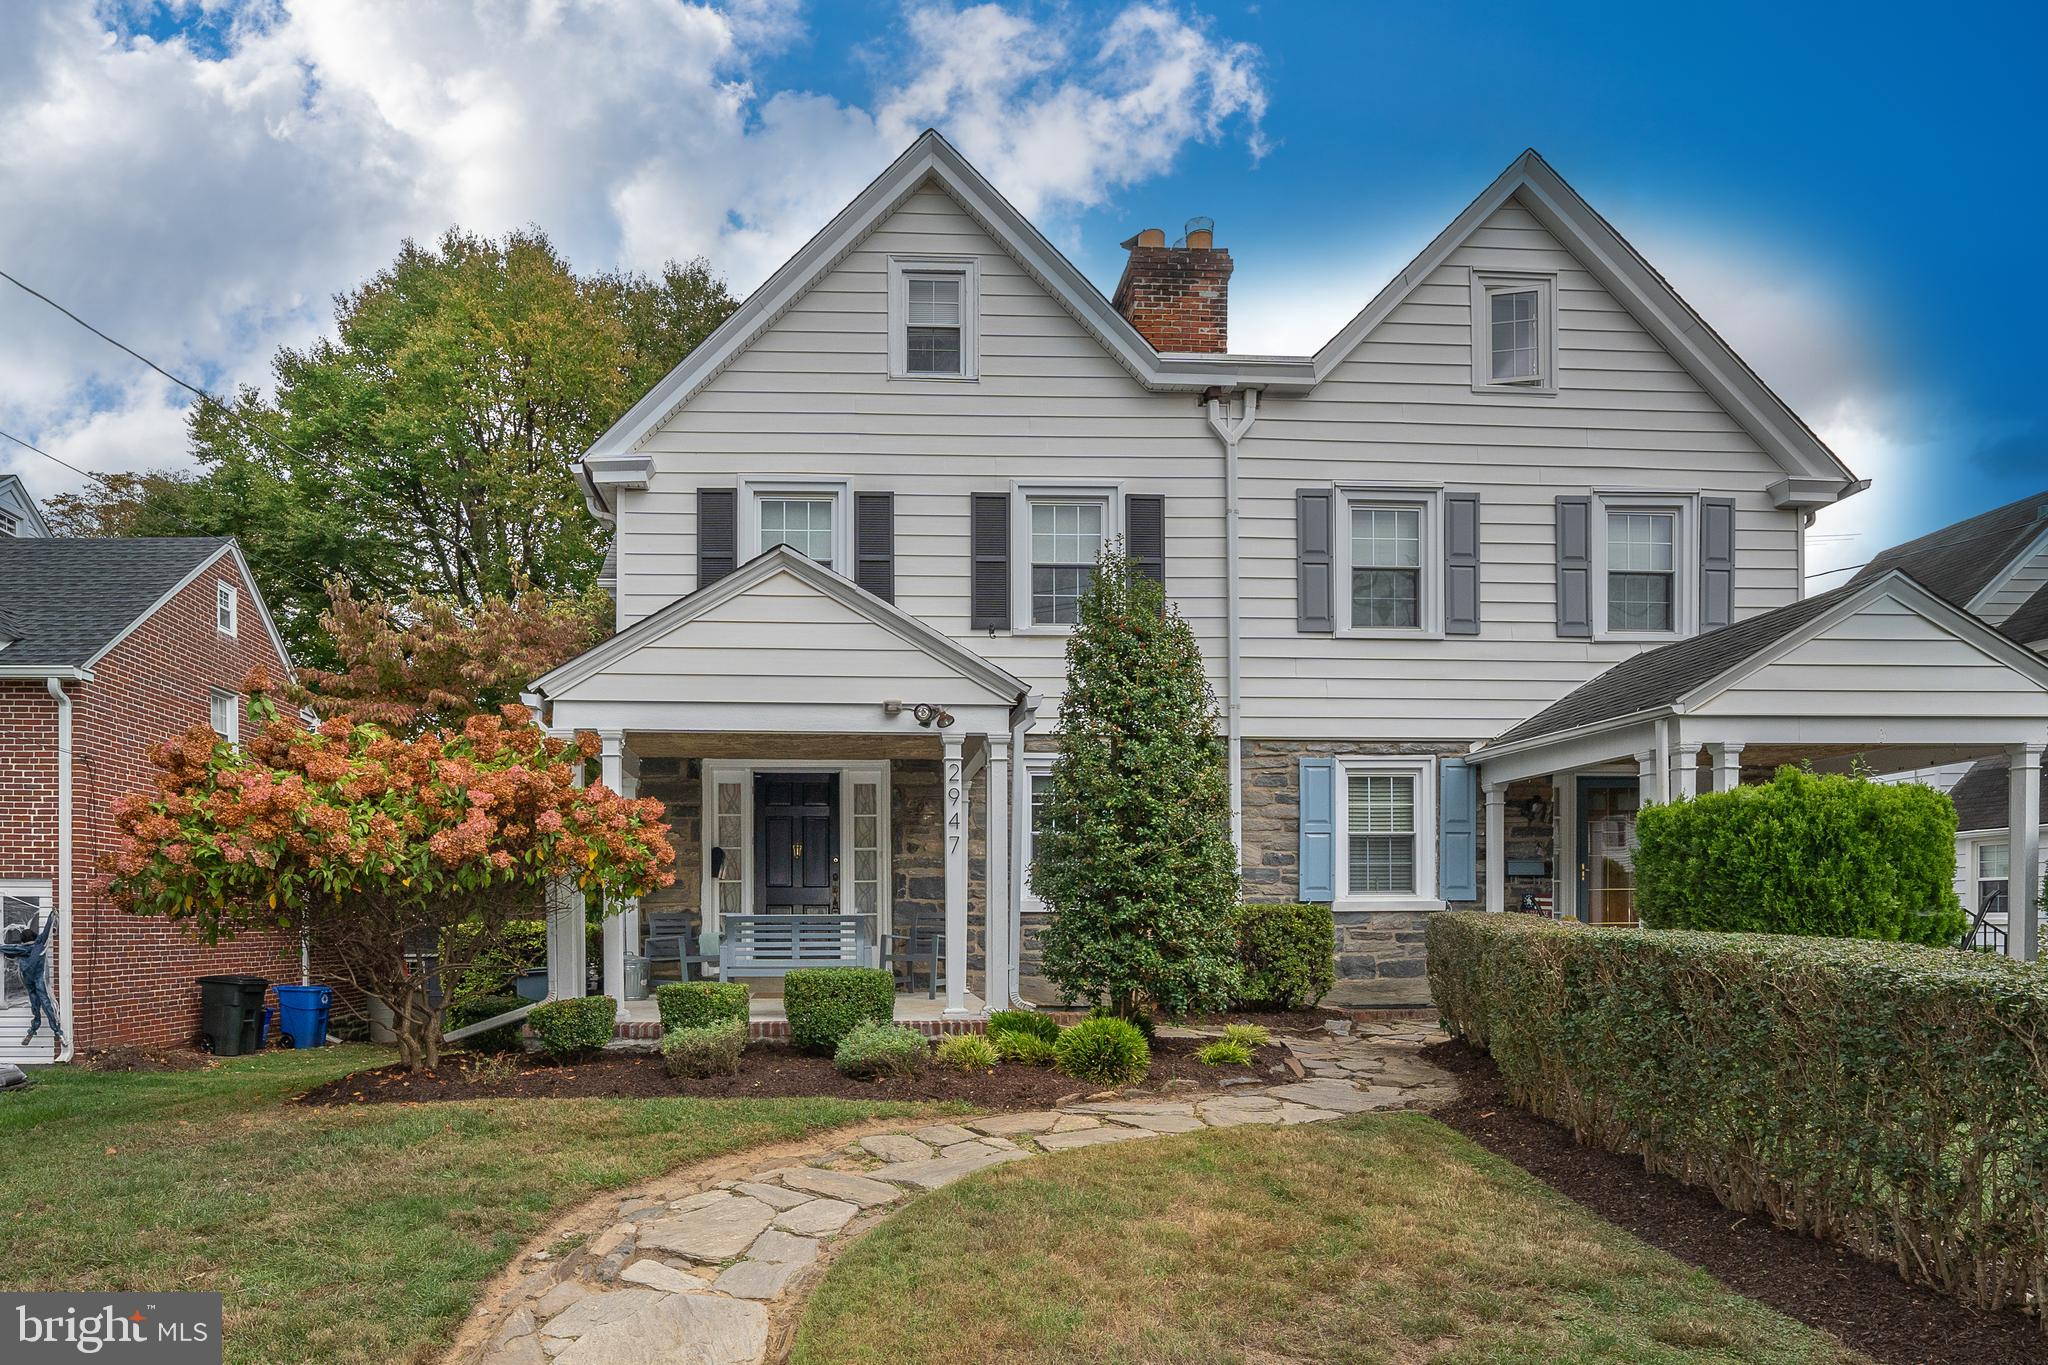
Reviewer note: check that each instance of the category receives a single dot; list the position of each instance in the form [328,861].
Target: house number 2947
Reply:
[955,814]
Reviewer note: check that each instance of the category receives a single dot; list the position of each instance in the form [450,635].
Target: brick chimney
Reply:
[1178,297]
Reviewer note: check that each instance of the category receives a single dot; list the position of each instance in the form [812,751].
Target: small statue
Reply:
[30,949]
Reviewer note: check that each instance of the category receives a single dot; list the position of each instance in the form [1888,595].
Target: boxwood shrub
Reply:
[1805,853]
[824,1004]
[1887,1097]
[569,1030]
[705,1049]
[693,1004]
[475,1009]
[1288,952]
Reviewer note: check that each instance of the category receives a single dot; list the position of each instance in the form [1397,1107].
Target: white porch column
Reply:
[567,962]
[614,775]
[2023,876]
[629,785]
[953,815]
[1496,848]
[1646,777]
[997,874]
[1685,767]
[1727,761]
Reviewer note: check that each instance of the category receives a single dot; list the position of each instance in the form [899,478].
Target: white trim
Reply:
[1108,492]
[248,581]
[753,490]
[1429,500]
[1033,764]
[1487,283]
[227,610]
[2004,577]
[963,268]
[215,698]
[744,770]
[1685,576]
[1422,767]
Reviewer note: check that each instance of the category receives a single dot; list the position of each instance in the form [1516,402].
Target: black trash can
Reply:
[231,1014]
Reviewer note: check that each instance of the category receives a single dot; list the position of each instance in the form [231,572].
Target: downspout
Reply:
[64,1006]
[1230,433]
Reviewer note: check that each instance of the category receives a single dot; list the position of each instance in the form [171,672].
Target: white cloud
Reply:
[205,203]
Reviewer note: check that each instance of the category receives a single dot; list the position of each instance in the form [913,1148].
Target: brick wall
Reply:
[28,782]
[1178,297]
[134,977]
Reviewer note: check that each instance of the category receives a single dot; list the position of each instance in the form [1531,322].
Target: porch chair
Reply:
[922,941]
[668,937]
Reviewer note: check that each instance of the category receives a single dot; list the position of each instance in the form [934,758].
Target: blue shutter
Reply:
[1457,796]
[1318,857]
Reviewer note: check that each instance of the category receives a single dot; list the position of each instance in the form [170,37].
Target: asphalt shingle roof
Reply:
[1956,562]
[2030,622]
[1981,797]
[1660,676]
[66,599]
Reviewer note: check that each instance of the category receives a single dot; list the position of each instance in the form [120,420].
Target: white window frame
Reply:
[1423,769]
[1430,502]
[1685,568]
[227,609]
[1022,495]
[840,491]
[1033,765]
[44,894]
[1487,283]
[968,271]
[218,698]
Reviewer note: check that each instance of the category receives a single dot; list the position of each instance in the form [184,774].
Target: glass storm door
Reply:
[1607,846]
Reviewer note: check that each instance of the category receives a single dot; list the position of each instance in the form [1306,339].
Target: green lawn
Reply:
[337,1234]
[1379,1238]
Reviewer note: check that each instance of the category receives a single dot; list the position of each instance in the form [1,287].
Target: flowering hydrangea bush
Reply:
[378,846]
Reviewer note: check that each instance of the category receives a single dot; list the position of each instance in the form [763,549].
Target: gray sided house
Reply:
[1520,549]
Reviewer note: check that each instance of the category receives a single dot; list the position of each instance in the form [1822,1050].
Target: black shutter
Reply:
[718,534]
[874,543]
[1145,534]
[989,546]
[1717,562]
[1575,568]
[1461,563]
[1313,607]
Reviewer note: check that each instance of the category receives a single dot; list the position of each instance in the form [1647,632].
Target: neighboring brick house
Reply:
[131,642]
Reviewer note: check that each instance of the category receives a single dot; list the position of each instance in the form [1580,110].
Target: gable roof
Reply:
[1813,474]
[1983,798]
[2028,625]
[1960,560]
[775,561]
[1687,673]
[16,500]
[70,600]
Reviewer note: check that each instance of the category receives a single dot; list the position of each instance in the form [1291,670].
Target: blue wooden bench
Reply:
[771,945]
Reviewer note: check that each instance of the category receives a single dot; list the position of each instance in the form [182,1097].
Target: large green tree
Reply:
[1136,858]
[429,444]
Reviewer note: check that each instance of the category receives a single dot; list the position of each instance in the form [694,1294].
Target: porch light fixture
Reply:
[1536,810]
[928,714]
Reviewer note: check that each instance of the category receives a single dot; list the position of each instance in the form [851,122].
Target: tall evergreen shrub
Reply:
[1136,859]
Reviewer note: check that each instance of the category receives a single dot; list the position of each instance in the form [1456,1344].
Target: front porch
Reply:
[641,1019]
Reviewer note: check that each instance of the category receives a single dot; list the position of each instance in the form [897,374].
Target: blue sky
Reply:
[1848,193]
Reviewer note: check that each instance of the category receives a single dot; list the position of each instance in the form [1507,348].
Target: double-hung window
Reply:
[225,607]
[225,715]
[1066,542]
[1038,799]
[1514,332]
[1642,571]
[807,515]
[1994,870]
[932,317]
[1389,829]
[803,524]
[1386,566]
[22,908]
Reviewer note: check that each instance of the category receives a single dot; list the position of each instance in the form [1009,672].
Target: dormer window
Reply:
[932,331]
[1514,333]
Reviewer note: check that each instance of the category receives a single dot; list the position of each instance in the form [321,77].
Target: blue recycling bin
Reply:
[302,1014]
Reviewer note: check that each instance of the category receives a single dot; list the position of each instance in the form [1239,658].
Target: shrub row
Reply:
[1287,953]
[825,1004]
[693,1004]
[570,1029]
[1890,1098]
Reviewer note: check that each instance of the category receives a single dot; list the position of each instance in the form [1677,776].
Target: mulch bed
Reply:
[1864,1304]
[769,1070]
[127,1057]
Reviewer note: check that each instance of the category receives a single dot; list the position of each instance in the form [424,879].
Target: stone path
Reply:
[708,1277]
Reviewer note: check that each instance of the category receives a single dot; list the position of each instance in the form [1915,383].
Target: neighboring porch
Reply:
[1882,677]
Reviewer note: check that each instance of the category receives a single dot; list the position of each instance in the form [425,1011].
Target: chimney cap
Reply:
[1198,234]
[1146,237]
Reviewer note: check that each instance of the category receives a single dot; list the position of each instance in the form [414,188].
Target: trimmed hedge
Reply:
[705,1049]
[1890,1098]
[571,1029]
[824,1004]
[1805,853]
[693,1004]
[477,1008]
[1288,952]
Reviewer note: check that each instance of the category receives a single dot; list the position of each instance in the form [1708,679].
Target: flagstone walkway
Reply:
[715,1275]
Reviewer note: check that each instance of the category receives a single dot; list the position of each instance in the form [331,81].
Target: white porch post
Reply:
[629,922]
[954,818]
[1646,777]
[1727,761]
[566,954]
[996,877]
[614,774]
[1496,848]
[1685,766]
[2023,825]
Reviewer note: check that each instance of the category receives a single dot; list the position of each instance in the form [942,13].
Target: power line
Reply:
[1966,540]
[82,473]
